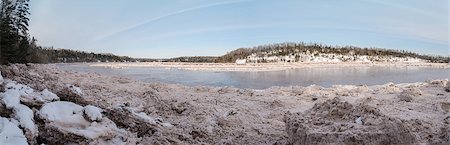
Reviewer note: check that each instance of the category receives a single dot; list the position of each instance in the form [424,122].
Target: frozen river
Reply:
[325,76]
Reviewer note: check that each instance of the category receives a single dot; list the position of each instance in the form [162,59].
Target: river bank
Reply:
[135,112]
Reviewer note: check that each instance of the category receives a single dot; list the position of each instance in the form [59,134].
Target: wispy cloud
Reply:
[408,8]
[427,32]
[101,37]
[210,30]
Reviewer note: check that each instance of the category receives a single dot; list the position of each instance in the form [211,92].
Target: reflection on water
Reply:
[369,75]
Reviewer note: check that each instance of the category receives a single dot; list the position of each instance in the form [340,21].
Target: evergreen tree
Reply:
[14,39]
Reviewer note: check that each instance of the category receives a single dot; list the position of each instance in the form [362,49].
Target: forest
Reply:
[287,48]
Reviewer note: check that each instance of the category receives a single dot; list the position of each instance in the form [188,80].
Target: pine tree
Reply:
[14,39]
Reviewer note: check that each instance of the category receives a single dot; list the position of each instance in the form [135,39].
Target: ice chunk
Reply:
[92,113]
[149,119]
[63,112]
[22,89]
[23,114]
[25,117]
[28,95]
[48,96]
[10,134]
[11,98]
[67,117]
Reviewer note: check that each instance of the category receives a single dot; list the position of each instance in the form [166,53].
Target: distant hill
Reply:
[50,55]
[300,52]
[279,52]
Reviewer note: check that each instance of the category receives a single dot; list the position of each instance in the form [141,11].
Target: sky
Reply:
[172,28]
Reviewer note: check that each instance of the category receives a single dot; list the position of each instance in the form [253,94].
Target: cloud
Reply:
[209,30]
[408,8]
[101,37]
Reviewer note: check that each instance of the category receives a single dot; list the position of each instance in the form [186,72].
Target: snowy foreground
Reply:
[40,104]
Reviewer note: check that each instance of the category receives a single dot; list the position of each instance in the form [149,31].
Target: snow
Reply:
[22,89]
[68,117]
[1,77]
[75,89]
[149,119]
[23,114]
[28,93]
[63,112]
[11,134]
[47,95]
[359,121]
[10,98]
[241,61]
[323,57]
[25,117]
[93,113]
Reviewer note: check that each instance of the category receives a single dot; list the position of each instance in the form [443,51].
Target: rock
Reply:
[332,122]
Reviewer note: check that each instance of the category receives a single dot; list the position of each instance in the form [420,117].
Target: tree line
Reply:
[287,48]
[51,55]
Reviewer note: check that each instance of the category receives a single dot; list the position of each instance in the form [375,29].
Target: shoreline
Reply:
[409,113]
[257,66]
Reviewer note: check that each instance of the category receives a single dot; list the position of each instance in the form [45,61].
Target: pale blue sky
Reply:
[170,28]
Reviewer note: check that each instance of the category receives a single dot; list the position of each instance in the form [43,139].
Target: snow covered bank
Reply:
[315,56]
[114,110]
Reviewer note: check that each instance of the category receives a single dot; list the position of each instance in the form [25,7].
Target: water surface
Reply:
[368,75]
